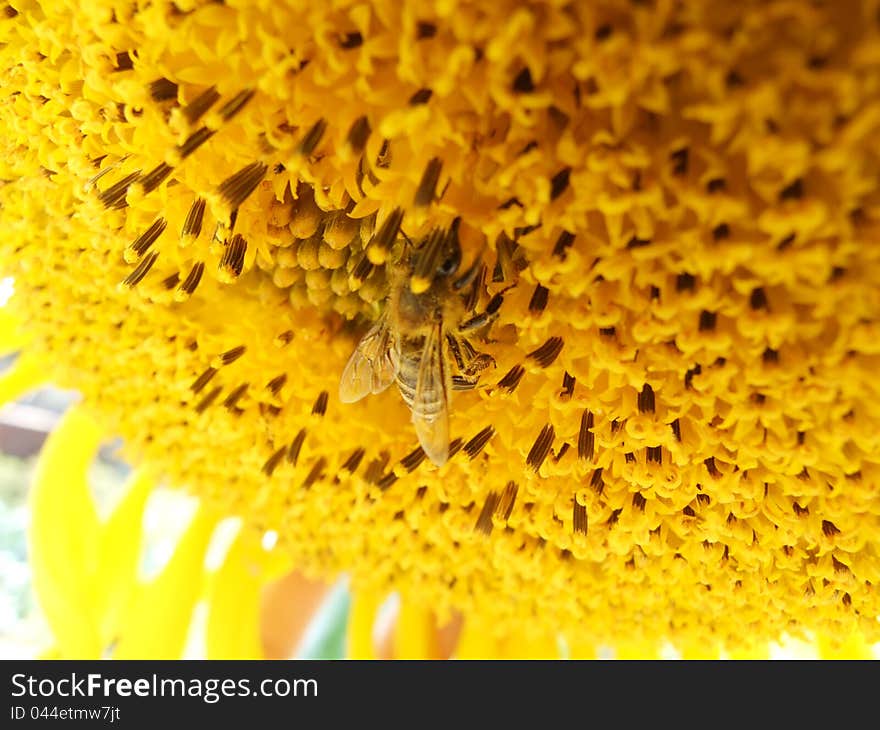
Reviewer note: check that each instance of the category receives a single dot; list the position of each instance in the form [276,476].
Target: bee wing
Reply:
[430,408]
[373,365]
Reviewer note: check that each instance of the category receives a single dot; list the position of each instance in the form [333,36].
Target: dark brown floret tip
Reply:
[473,447]
[541,448]
[141,270]
[484,521]
[547,353]
[579,518]
[586,438]
[646,399]
[511,379]
[320,406]
[296,446]
[273,461]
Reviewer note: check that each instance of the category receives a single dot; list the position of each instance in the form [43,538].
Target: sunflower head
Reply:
[615,259]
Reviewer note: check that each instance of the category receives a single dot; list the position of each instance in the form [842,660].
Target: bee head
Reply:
[439,256]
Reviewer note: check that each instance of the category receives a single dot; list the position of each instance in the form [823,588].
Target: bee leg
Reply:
[455,349]
[469,362]
[486,317]
[462,382]
[480,363]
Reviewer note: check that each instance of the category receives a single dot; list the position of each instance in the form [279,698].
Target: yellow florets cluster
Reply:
[681,437]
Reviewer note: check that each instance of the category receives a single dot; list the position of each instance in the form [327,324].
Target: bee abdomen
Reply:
[408,377]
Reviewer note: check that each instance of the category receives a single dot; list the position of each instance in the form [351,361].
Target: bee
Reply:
[427,314]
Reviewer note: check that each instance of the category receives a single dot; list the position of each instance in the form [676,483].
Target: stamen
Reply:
[387,480]
[208,400]
[273,461]
[236,188]
[511,380]
[313,137]
[155,177]
[353,462]
[362,269]
[710,466]
[185,290]
[689,375]
[162,90]
[654,454]
[563,243]
[275,385]
[200,382]
[508,499]
[685,282]
[382,241]
[351,40]
[192,226]
[296,446]
[114,196]
[548,352]
[428,186]
[427,261]
[139,246]
[142,269]
[568,383]
[707,320]
[169,282]
[376,467]
[320,407]
[484,521]
[198,106]
[315,473]
[235,104]
[232,399]
[422,96]
[559,182]
[586,438]
[646,399]
[829,529]
[680,161]
[758,299]
[522,83]
[413,459]
[539,299]
[194,141]
[597,482]
[579,518]
[358,135]
[541,448]
[473,447]
[454,447]
[676,429]
[232,261]
[425,29]
[230,356]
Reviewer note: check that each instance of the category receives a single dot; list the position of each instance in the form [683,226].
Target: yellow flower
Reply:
[678,436]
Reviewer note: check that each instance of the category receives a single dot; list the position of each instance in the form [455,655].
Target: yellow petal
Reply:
[414,634]
[476,642]
[27,372]
[852,647]
[158,618]
[120,547]
[288,606]
[541,646]
[63,536]
[233,627]
[11,336]
[364,606]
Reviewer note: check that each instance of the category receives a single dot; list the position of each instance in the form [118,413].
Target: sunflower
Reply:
[659,379]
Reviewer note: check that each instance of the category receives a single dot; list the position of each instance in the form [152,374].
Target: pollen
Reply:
[676,297]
